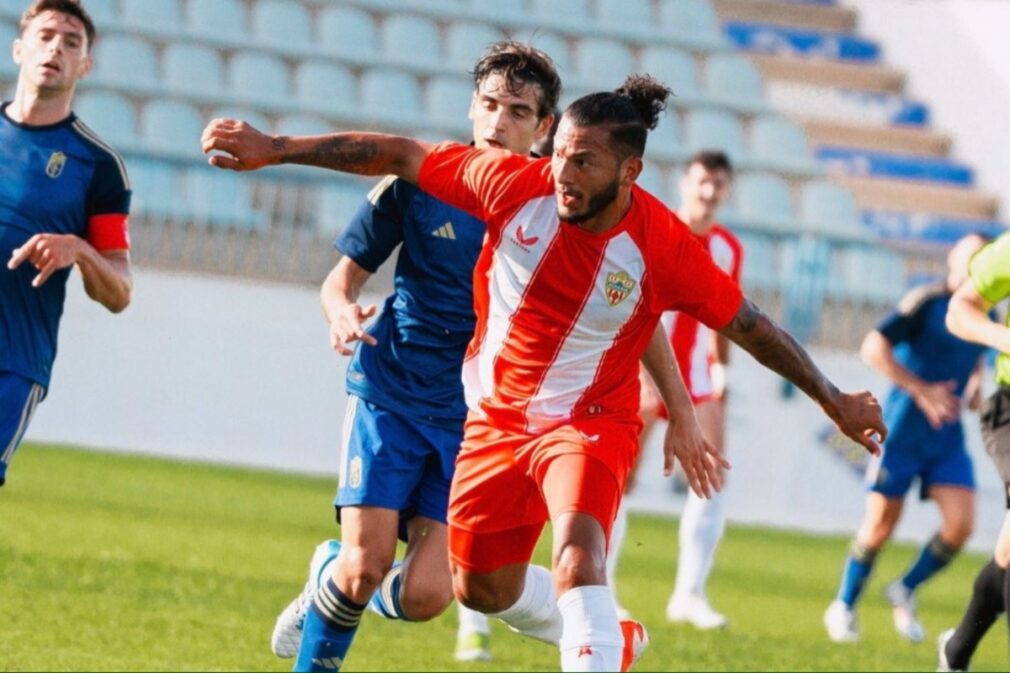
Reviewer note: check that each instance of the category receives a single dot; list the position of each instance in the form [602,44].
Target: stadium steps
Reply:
[902,139]
[867,77]
[831,18]
[902,195]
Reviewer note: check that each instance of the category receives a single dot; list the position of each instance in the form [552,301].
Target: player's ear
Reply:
[630,169]
[86,67]
[544,126]
[16,51]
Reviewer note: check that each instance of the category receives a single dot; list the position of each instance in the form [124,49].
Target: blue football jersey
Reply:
[425,325]
[924,346]
[53,179]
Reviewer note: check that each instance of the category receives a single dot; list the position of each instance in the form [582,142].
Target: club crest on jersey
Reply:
[354,478]
[56,163]
[619,286]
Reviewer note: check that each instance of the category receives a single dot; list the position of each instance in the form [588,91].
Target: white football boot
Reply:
[695,610]
[840,621]
[287,635]
[906,619]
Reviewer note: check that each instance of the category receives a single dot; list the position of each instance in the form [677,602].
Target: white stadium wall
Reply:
[958,60]
[238,372]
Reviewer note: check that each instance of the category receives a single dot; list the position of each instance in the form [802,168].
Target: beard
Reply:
[598,202]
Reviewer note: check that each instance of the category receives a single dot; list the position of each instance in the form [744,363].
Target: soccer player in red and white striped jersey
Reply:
[578,266]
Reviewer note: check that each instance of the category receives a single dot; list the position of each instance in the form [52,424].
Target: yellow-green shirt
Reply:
[990,272]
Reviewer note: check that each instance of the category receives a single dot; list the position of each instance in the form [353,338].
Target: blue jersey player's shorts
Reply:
[942,464]
[18,399]
[388,460]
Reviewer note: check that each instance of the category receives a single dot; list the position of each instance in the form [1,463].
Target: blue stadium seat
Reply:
[110,115]
[324,87]
[259,78]
[603,64]
[157,15]
[761,261]
[221,198]
[689,18]
[448,100]
[171,126]
[281,22]
[870,275]
[733,78]
[467,41]
[714,129]
[191,67]
[391,95]
[8,33]
[338,201]
[829,207]
[223,19]
[674,67]
[157,189]
[126,61]
[411,40]
[241,114]
[571,12]
[634,14]
[654,181]
[348,31]
[766,199]
[103,12]
[302,125]
[778,140]
[555,46]
[664,141]
[509,10]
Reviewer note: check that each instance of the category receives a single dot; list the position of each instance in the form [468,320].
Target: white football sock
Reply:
[471,621]
[592,639]
[536,613]
[701,527]
[617,533]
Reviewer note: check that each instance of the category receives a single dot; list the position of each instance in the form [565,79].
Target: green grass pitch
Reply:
[114,562]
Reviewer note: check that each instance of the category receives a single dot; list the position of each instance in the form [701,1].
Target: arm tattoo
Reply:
[777,350]
[348,152]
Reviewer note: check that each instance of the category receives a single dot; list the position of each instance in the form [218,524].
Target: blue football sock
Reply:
[933,558]
[385,602]
[858,566]
[329,628]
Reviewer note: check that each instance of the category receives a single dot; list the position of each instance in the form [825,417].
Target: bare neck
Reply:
[34,108]
[699,227]
[611,216]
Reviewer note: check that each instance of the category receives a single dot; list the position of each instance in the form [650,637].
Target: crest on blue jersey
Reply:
[57,160]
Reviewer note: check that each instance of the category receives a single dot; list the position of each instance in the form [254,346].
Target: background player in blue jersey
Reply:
[932,371]
[64,199]
[405,413]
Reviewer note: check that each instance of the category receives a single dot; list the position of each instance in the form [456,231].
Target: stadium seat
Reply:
[281,22]
[765,199]
[761,262]
[664,141]
[171,126]
[126,61]
[104,13]
[448,100]
[689,18]
[654,181]
[391,95]
[555,46]
[572,13]
[733,78]
[467,41]
[603,64]
[190,67]
[302,125]
[156,15]
[777,140]
[242,114]
[871,275]
[221,198]
[321,86]
[634,14]
[110,115]
[714,129]
[8,33]
[348,31]
[338,201]
[222,19]
[156,189]
[411,40]
[829,207]
[259,78]
[674,67]
[508,10]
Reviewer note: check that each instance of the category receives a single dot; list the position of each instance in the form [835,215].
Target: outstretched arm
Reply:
[857,415]
[702,464]
[245,148]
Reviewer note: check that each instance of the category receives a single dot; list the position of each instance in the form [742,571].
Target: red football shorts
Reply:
[508,485]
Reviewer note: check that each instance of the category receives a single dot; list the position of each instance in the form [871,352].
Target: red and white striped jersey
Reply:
[691,340]
[564,315]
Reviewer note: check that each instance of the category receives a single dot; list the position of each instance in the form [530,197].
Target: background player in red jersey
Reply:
[702,355]
[574,275]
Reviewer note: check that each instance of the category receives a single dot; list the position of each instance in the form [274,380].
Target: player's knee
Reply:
[957,531]
[422,602]
[482,594]
[364,569]
[577,566]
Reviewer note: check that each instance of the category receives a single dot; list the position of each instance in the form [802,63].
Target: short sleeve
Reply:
[899,327]
[990,270]
[107,204]
[484,183]
[377,227]
[696,285]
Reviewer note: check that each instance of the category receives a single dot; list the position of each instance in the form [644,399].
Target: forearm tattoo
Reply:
[350,153]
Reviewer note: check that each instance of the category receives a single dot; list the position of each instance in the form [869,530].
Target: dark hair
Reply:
[70,7]
[711,161]
[520,64]
[631,111]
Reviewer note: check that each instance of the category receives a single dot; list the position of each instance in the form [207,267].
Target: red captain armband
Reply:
[109,232]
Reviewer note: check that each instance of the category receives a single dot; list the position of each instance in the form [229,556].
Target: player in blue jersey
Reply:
[932,371]
[405,414]
[64,199]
